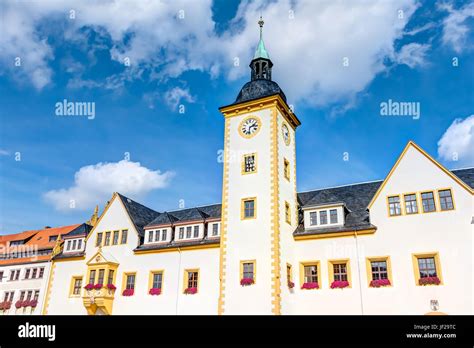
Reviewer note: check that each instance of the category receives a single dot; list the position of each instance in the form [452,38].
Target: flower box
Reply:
[111,287]
[33,303]
[128,292]
[98,286]
[7,305]
[89,287]
[339,284]
[155,291]
[310,285]
[379,282]
[19,304]
[246,281]
[190,291]
[429,281]
[291,285]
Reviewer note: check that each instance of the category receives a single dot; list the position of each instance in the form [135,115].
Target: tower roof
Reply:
[261,51]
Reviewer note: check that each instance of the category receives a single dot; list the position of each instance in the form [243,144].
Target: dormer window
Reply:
[313,218]
[333,216]
[321,216]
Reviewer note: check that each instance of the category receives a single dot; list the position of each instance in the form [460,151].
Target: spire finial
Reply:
[261,23]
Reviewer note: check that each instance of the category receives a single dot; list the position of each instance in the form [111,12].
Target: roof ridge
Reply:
[332,187]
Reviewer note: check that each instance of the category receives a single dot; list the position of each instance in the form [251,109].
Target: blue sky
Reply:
[185,53]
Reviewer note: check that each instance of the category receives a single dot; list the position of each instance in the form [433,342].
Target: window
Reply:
[79,244]
[339,273]
[76,286]
[181,232]
[192,279]
[150,236]
[8,296]
[124,236]
[188,231]
[92,277]
[36,295]
[427,268]
[196,231]
[379,270]
[247,270]
[41,272]
[101,276]
[248,208]
[163,235]
[22,295]
[323,217]
[249,164]
[394,208]
[311,274]
[411,205]
[53,238]
[110,278]
[68,245]
[428,203]
[14,274]
[1,276]
[29,295]
[34,272]
[74,242]
[98,241]
[130,281]
[107,239]
[286,169]
[289,273]
[215,229]
[333,216]
[156,279]
[27,273]
[115,238]
[287,212]
[445,199]
[313,218]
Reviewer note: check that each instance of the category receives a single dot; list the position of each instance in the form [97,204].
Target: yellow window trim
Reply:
[318,268]
[287,213]
[417,199]
[400,202]
[242,208]
[71,287]
[416,269]
[331,264]
[286,169]
[185,276]
[452,198]
[243,172]
[434,200]
[150,278]
[254,262]
[369,260]
[124,281]
[289,272]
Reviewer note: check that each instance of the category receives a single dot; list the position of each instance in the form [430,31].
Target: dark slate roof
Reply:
[466,175]
[139,214]
[184,215]
[355,197]
[181,244]
[68,255]
[81,230]
[258,89]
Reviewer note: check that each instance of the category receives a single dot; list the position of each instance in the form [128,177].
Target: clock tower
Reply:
[259,202]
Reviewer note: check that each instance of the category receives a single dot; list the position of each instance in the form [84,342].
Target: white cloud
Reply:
[176,95]
[95,183]
[455,28]
[4,152]
[457,143]
[306,39]
[412,54]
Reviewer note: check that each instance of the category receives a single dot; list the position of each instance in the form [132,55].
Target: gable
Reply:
[416,171]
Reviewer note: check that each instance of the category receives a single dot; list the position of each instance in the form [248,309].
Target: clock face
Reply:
[286,134]
[249,127]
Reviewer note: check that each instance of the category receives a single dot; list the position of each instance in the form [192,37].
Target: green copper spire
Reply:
[261,52]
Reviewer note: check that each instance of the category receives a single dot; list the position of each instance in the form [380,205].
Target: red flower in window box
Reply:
[5,305]
[291,285]
[246,281]
[379,282]
[310,285]
[429,281]
[190,291]
[111,287]
[89,286]
[155,291]
[2,306]
[33,303]
[128,292]
[18,304]
[339,284]
[98,286]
